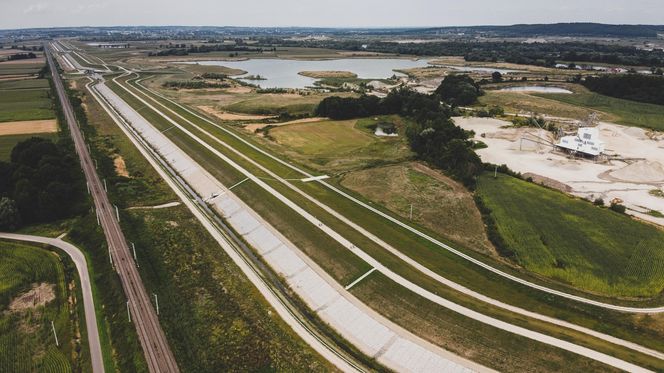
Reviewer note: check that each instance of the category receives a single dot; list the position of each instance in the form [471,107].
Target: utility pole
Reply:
[495,172]
[133,247]
[117,214]
[128,313]
[87,185]
[156,302]
[97,215]
[55,334]
[105,189]
[411,211]
[95,164]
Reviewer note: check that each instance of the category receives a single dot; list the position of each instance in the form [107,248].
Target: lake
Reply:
[536,89]
[281,73]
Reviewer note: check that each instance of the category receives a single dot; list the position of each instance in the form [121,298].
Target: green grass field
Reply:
[340,145]
[26,339]
[630,113]
[23,84]
[18,103]
[19,68]
[575,242]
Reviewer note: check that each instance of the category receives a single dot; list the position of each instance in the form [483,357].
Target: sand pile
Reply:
[641,172]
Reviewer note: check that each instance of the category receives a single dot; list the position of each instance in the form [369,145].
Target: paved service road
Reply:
[88,301]
[158,354]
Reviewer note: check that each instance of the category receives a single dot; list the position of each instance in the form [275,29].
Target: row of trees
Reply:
[21,56]
[634,87]
[42,182]
[432,134]
[183,50]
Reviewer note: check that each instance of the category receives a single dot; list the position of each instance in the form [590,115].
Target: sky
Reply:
[320,13]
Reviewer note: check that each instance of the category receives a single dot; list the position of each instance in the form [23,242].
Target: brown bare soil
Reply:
[253,127]
[328,74]
[224,115]
[28,127]
[120,166]
[39,295]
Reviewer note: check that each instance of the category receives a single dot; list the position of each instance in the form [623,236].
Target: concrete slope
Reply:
[88,300]
[370,332]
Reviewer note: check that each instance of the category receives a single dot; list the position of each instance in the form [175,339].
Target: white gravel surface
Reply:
[629,181]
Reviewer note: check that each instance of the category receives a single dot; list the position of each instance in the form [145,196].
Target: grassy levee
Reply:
[214,319]
[206,160]
[26,337]
[470,339]
[630,113]
[566,238]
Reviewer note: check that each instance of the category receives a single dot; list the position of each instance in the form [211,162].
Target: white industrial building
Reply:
[586,141]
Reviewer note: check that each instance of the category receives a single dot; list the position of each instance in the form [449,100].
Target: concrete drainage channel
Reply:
[373,334]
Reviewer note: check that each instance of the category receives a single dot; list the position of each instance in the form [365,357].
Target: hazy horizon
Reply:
[344,13]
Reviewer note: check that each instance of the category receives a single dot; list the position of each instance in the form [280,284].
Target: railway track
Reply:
[158,354]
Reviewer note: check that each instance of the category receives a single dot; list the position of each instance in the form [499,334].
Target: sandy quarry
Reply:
[28,127]
[630,181]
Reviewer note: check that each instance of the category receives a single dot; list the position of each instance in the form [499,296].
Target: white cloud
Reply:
[36,8]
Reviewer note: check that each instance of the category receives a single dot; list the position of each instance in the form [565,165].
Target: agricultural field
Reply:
[438,202]
[19,103]
[572,241]
[341,145]
[29,104]
[33,292]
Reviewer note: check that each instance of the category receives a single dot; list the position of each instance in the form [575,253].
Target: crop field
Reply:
[435,258]
[19,68]
[439,203]
[26,339]
[600,251]
[630,113]
[340,145]
[20,103]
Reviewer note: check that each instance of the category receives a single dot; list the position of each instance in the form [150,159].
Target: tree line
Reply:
[42,182]
[183,50]
[431,133]
[635,87]
[542,54]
